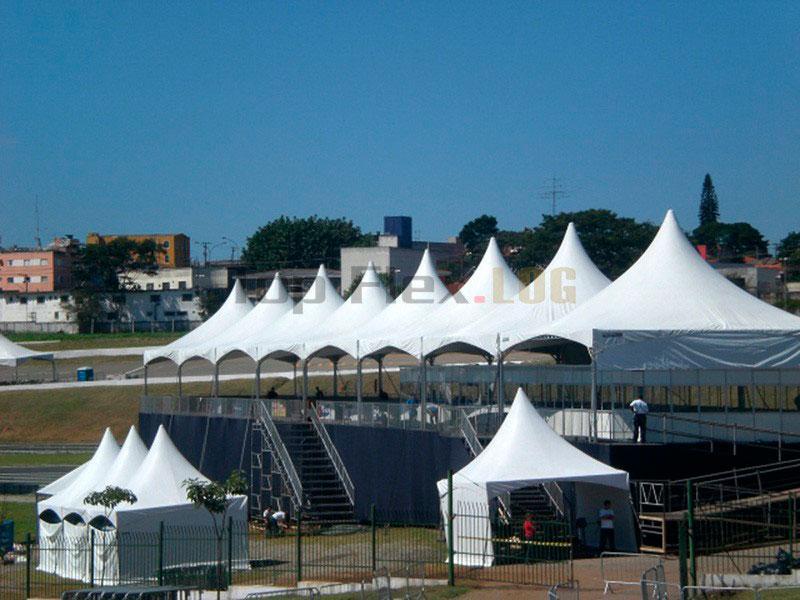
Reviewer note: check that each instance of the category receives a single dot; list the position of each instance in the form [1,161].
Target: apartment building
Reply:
[176,246]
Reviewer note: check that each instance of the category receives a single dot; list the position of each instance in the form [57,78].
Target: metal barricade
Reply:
[625,568]
[564,591]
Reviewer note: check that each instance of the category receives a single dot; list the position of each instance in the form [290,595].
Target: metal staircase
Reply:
[273,476]
[299,469]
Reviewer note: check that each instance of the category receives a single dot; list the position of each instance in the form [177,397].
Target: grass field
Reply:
[79,341]
[24,516]
[23,459]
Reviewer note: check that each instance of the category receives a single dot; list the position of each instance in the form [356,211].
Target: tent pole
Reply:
[335,362]
[258,380]
[215,387]
[294,377]
[145,378]
[180,383]
[593,423]
[380,376]
[423,385]
[500,380]
[305,381]
[16,372]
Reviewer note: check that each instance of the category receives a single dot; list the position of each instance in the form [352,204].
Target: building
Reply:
[37,270]
[396,254]
[762,278]
[297,281]
[176,246]
[163,279]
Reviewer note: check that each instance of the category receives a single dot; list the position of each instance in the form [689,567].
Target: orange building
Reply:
[35,270]
[176,253]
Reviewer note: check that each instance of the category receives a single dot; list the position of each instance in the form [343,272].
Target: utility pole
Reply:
[553,191]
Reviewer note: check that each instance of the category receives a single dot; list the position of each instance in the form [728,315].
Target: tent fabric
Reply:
[235,307]
[670,288]
[62,482]
[570,279]
[317,305]
[525,451]
[275,304]
[157,478]
[12,355]
[367,301]
[492,284]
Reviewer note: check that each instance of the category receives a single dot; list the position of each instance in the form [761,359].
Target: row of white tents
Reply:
[670,309]
[125,540]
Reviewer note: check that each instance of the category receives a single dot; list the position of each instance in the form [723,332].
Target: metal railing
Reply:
[625,568]
[279,453]
[333,454]
[470,435]
[565,591]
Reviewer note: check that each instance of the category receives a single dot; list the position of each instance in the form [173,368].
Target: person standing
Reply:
[606,515]
[640,410]
[528,533]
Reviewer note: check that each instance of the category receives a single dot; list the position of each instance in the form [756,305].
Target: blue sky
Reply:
[213,118]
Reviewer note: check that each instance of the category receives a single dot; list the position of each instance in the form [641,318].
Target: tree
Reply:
[709,205]
[216,498]
[109,499]
[789,250]
[475,234]
[614,243]
[100,271]
[301,243]
[211,300]
[731,242]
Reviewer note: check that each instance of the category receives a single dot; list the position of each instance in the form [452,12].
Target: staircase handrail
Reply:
[556,496]
[469,433]
[280,454]
[333,454]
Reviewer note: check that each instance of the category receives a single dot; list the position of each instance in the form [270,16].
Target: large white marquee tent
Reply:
[670,310]
[524,452]
[156,477]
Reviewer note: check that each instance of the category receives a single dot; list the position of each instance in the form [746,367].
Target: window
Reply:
[43,262]
[186,297]
[150,287]
[11,300]
[23,300]
[155,298]
[64,299]
[166,244]
[44,278]
[10,279]
[26,262]
[55,315]
[166,257]
[181,285]
[165,285]
[39,299]
[169,313]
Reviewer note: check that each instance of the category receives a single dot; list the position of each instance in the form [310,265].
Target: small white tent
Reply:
[235,307]
[126,540]
[525,451]
[12,355]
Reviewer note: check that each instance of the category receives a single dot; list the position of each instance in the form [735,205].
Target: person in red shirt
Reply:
[528,533]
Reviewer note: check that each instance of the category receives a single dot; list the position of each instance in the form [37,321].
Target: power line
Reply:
[552,191]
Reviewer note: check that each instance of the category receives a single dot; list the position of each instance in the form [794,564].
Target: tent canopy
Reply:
[13,355]
[275,304]
[671,288]
[235,307]
[526,451]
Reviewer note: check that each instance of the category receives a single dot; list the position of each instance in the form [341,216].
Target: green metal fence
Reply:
[306,550]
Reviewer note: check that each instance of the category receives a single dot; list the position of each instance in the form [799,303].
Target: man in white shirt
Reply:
[640,410]
[606,516]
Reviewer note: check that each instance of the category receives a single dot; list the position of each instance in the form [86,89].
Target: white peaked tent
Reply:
[569,280]
[368,300]
[492,284]
[235,307]
[126,540]
[55,532]
[423,295]
[13,355]
[670,309]
[317,305]
[525,451]
[275,303]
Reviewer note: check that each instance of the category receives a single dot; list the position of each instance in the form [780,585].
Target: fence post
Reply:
[451,571]
[91,557]
[28,557]
[690,523]
[161,553]
[230,551]
[299,546]
[374,532]
[682,573]
[793,522]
